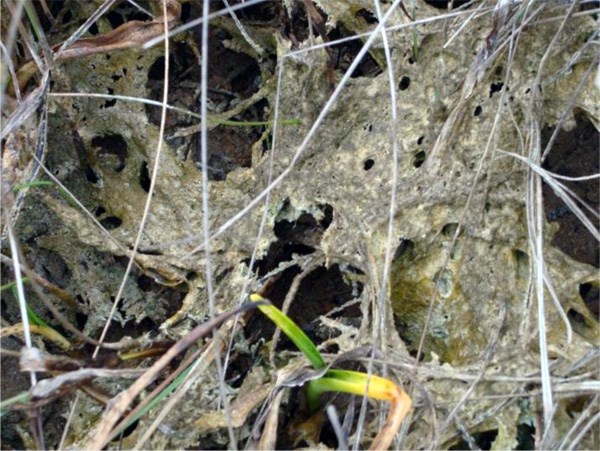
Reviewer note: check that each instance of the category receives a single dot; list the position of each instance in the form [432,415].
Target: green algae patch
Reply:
[418,279]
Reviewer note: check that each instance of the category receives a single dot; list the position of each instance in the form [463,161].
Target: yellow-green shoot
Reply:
[343,381]
[36,324]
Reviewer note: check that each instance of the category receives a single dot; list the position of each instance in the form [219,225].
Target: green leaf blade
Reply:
[294,333]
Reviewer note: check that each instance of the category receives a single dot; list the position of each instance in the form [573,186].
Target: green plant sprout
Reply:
[415,44]
[343,381]
[12,285]
[31,315]
[37,325]
[153,402]
[6,405]
[40,183]
[32,184]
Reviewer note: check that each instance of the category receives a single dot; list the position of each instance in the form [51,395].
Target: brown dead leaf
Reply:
[131,34]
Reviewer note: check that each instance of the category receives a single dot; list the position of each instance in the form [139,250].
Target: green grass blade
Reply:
[32,184]
[31,315]
[21,398]
[154,402]
[11,285]
[40,183]
[294,333]
[34,319]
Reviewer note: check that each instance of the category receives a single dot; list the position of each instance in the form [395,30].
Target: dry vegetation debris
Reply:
[459,240]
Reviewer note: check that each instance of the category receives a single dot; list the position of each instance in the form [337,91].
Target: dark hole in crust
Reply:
[232,76]
[404,83]
[295,237]
[112,151]
[125,12]
[525,437]
[267,143]
[445,4]
[419,159]
[343,55]
[483,440]
[320,292]
[111,102]
[231,147]
[67,18]
[298,230]
[80,320]
[261,12]
[450,229]
[368,164]
[90,175]
[405,247]
[588,5]
[574,154]
[575,316]
[93,30]
[50,265]
[55,10]
[111,222]
[145,177]
[590,294]
[495,87]
[145,283]
[369,17]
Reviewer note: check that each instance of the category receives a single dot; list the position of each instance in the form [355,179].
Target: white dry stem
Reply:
[194,23]
[148,198]
[206,210]
[379,310]
[311,133]
[248,280]
[584,430]
[14,250]
[582,417]
[153,178]
[535,224]
[194,373]
[290,55]
[257,48]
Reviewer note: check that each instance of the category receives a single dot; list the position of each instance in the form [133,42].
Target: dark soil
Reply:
[574,154]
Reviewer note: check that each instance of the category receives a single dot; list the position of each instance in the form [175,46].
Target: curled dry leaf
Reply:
[131,34]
